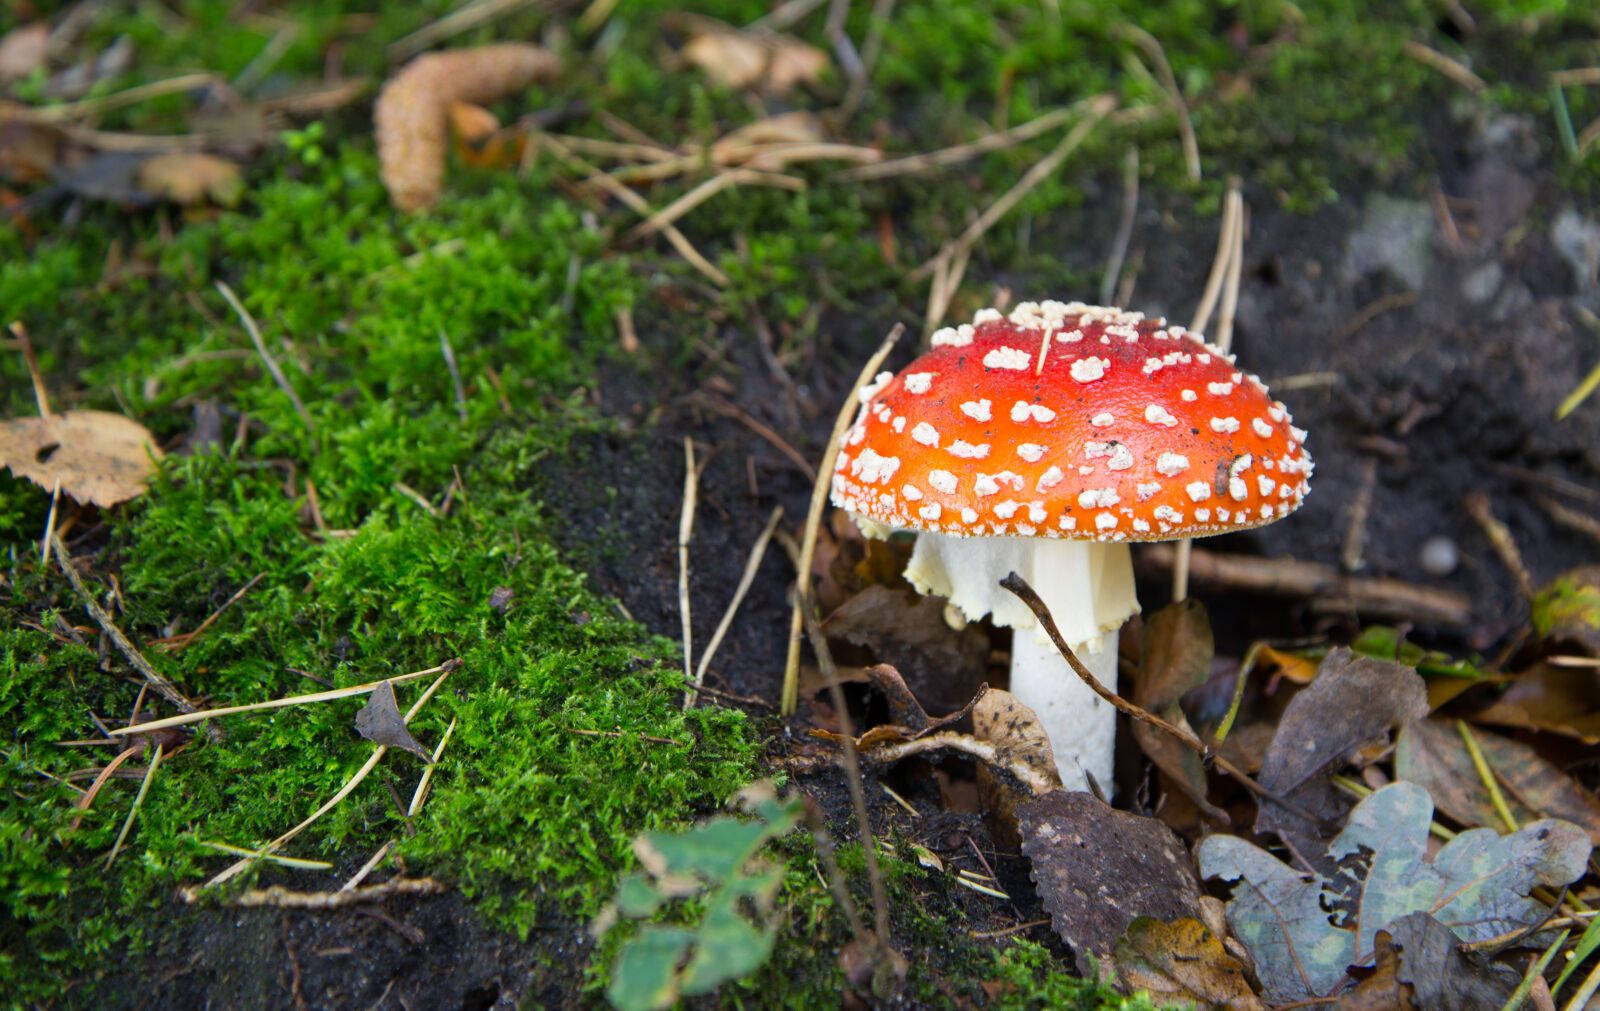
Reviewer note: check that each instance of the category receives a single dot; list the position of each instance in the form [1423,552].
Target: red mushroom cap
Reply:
[1071,420]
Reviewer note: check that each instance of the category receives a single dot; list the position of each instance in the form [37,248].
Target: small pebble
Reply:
[1439,556]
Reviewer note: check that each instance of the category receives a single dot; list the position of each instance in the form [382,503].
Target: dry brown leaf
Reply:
[1559,700]
[191,177]
[23,50]
[1182,962]
[764,60]
[942,665]
[28,151]
[1432,754]
[1018,737]
[1174,659]
[1098,869]
[1352,701]
[480,142]
[411,111]
[99,457]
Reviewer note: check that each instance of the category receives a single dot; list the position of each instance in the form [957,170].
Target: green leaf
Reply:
[645,976]
[726,947]
[715,850]
[637,897]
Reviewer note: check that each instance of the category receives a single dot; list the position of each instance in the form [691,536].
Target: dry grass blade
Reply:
[1455,70]
[195,716]
[691,493]
[261,349]
[332,802]
[154,678]
[758,551]
[819,498]
[705,191]
[464,18]
[138,803]
[1169,81]
[1499,535]
[177,642]
[999,141]
[635,201]
[419,796]
[282,898]
[84,108]
[1130,208]
[41,397]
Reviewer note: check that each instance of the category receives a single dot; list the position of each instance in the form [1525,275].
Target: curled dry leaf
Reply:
[1174,659]
[944,665]
[1098,869]
[1546,697]
[1352,701]
[411,111]
[1432,754]
[380,722]
[1018,736]
[188,178]
[480,142]
[100,458]
[1303,930]
[753,59]
[1182,961]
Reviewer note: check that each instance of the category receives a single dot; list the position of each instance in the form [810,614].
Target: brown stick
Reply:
[153,677]
[1019,586]
[1285,577]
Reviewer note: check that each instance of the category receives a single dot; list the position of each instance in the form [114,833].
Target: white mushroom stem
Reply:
[1082,726]
[1088,587]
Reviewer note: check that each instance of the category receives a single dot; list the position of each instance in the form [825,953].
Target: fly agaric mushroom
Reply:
[1043,442]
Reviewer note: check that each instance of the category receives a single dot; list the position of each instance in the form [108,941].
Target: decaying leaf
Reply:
[1174,659]
[410,113]
[1352,701]
[1303,930]
[1382,990]
[1439,973]
[1550,698]
[1431,753]
[99,457]
[480,141]
[1183,962]
[1018,736]
[760,59]
[380,722]
[1098,869]
[189,177]
[1567,610]
[944,666]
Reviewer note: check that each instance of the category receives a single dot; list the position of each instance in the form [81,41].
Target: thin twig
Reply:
[261,349]
[464,18]
[1169,81]
[819,498]
[195,716]
[918,163]
[1286,577]
[691,479]
[419,796]
[941,740]
[93,106]
[852,770]
[777,441]
[1130,209]
[177,642]
[1455,70]
[705,191]
[1232,215]
[282,898]
[152,677]
[1571,518]
[636,202]
[1019,586]
[1499,535]
[41,397]
[758,551]
[49,524]
[455,374]
[138,802]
